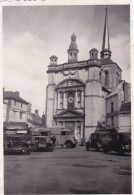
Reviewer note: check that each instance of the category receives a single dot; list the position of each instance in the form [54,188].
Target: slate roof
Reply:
[36,119]
[125,107]
[116,89]
[104,61]
[14,96]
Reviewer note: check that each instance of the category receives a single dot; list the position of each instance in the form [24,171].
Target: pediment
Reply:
[69,113]
[71,82]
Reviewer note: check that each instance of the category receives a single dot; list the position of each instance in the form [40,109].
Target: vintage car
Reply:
[95,139]
[63,136]
[119,142]
[42,140]
[17,138]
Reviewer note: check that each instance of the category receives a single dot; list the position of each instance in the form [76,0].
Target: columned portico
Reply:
[73,120]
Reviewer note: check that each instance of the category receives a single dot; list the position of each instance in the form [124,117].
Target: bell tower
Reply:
[73,51]
[106,53]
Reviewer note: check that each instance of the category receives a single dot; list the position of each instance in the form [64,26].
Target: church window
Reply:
[79,98]
[117,78]
[61,100]
[106,78]
[112,107]
[100,76]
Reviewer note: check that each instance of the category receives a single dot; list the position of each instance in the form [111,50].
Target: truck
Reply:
[17,139]
[63,136]
[95,139]
[41,139]
[119,142]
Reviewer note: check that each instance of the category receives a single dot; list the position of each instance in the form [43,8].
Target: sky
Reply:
[31,34]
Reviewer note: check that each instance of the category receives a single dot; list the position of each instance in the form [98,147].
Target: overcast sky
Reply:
[31,34]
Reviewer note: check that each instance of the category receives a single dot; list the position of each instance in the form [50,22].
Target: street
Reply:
[68,171]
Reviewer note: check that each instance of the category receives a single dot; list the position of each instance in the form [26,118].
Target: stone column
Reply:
[76,100]
[82,130]
[82,98]
[65,101]
[75,133]
[58,100]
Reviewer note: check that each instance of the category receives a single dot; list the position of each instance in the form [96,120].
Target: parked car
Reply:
[119,142]
[63,136]
[95,140]
[17,141]
[42,140]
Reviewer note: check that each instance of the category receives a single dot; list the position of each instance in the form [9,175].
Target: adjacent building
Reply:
[118,107]
[16,109]
[77,91]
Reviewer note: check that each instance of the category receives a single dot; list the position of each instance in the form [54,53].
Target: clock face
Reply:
[70,100]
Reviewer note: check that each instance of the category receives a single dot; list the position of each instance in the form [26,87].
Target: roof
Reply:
[125,107]
[53,56]
[15,125]
[93,49]
[36,119]
[14,96]
[105,61]
[116,90]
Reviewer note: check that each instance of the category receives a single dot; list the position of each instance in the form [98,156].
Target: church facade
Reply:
[77,90]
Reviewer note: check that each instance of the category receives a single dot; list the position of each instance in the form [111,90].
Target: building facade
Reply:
[77,90]
[15,109]
[118,107]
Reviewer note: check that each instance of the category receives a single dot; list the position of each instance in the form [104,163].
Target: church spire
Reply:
[106,53]
[73,51]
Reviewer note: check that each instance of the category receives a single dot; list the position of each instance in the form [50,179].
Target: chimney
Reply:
[36,112]
[17,93]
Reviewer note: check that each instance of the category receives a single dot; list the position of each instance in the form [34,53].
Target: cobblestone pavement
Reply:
[68,171]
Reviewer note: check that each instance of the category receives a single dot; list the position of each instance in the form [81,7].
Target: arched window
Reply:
[106,78]
[100,76]
[117,78]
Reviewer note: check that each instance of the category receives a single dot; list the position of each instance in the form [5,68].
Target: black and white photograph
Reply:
[67,98]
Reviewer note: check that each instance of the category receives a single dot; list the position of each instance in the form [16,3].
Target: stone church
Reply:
[77,90]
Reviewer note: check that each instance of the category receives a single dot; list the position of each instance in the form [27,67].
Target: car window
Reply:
[63,132]
[44,133]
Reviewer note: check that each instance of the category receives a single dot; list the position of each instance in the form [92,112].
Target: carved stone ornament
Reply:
[69,72]
[70,83]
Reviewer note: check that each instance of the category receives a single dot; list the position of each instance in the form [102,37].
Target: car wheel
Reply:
[69,144]
[97,149]
[105,149]
[51,148]
[28,152]
[87,147]
[120,151]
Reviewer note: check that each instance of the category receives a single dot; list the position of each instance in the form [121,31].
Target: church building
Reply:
[77,90]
